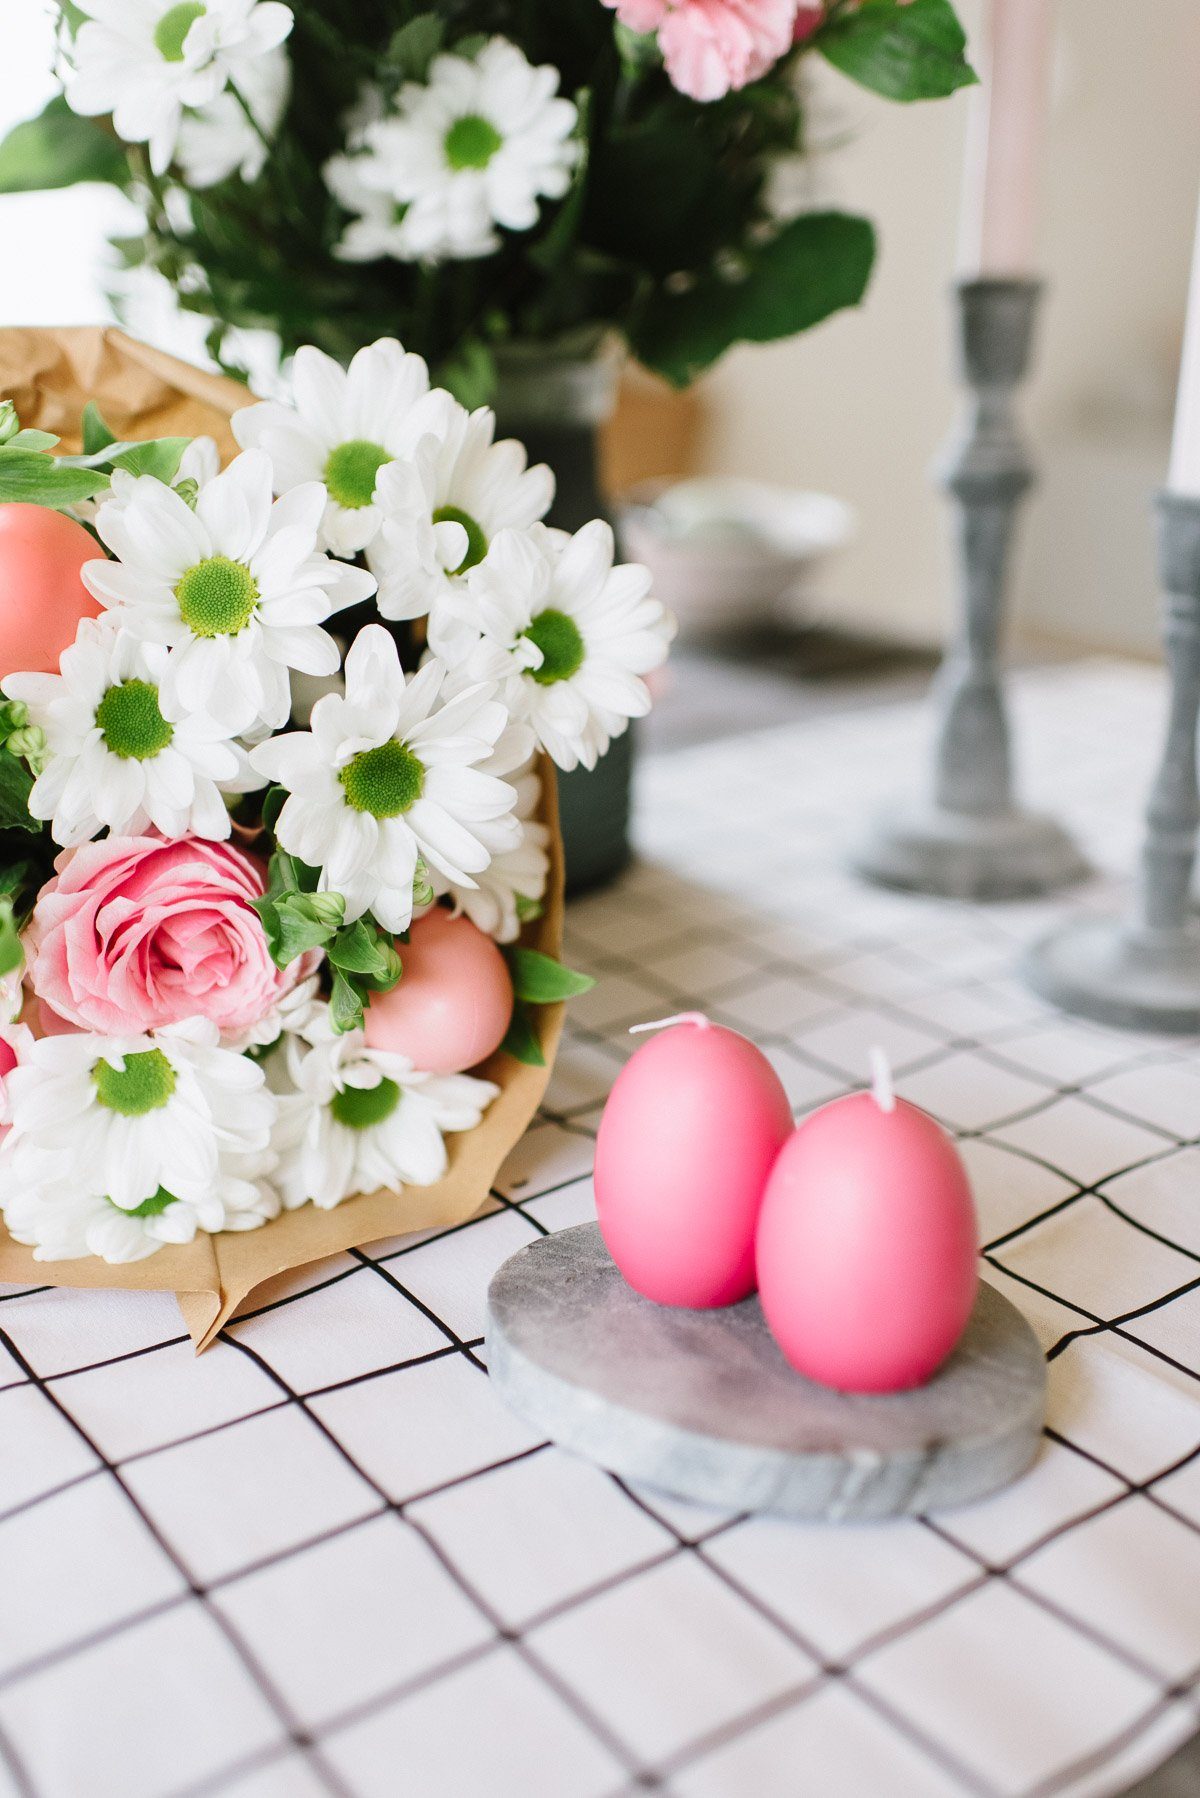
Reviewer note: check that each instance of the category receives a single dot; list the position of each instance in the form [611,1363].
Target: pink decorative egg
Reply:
[867,1246]
[687,1139]
[42,597]
[452,1008]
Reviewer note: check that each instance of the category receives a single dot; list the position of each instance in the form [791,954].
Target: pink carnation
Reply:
[136,933]
[712,46]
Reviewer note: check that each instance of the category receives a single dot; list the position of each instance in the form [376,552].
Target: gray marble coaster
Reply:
[703,1405]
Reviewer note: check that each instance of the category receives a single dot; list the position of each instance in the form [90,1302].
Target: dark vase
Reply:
[556,405]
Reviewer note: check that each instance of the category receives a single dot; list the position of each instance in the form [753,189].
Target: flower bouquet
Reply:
[474,174]
[279,867]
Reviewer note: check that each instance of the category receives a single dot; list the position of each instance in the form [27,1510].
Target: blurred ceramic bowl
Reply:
[726,552]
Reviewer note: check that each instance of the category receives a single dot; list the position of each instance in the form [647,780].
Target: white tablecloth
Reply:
[324,1558]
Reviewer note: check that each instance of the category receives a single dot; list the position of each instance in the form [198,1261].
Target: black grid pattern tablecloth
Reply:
[324,1559]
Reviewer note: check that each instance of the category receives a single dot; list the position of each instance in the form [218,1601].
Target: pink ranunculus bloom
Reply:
[16,1040]
[641,15]
[809,16]
[713,46]
[135,933]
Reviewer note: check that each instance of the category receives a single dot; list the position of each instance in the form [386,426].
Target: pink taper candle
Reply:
[1184,476]
[997,229]
[867,1244]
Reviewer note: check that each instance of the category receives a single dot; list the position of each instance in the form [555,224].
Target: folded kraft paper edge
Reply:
[143,392]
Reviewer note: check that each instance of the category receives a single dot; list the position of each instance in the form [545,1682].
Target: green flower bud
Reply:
[422,885]
[30,744]
[327,908]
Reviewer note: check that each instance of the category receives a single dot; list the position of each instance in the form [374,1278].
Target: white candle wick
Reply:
[684,1017]
[883,1090]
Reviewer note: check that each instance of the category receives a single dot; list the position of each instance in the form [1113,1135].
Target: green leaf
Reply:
[16,784]
[23,876]
[913,51]
[415,45]
[470,374]
[288,874]
[356,950]
[32,440]
[57,149]
[273,803]
[11,953]
[540,980]
[297,922]
[160,457]
[814,266]
[345,1004]
[522,1042]
[33,479]
[96,434]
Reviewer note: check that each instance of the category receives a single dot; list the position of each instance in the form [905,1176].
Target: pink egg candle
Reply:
[42,595]
[452,1007]
[688,1136]
[867,1244]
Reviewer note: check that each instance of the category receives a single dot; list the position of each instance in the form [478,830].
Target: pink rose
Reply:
[136,933]
[713,46]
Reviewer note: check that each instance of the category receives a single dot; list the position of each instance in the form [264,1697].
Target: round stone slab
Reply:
[702,1404]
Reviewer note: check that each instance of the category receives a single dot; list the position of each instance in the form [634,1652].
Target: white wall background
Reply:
[55,251]
[861,406]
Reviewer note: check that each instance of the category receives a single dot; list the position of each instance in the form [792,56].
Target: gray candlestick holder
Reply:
[1143,972]
[966,838]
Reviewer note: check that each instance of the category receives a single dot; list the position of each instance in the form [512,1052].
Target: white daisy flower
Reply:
[376,226]
[343,427]
[113,760]
[62,1221]
[514,877]
[442,505]
[237,589]
[119,1144]
[567,634]
[389,773]
[360,1119]
[145,61]
[218,140]
[476,146]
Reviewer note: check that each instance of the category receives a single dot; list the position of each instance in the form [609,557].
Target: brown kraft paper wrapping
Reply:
[50,375]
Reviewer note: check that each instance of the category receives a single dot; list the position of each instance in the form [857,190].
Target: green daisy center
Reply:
[477,543]
[154,1206]
[144,1084]
[350,472]
[558,638]
[471,142]
[171,31]
[217,597]
[362,1107]
[131,723]
[384,781]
